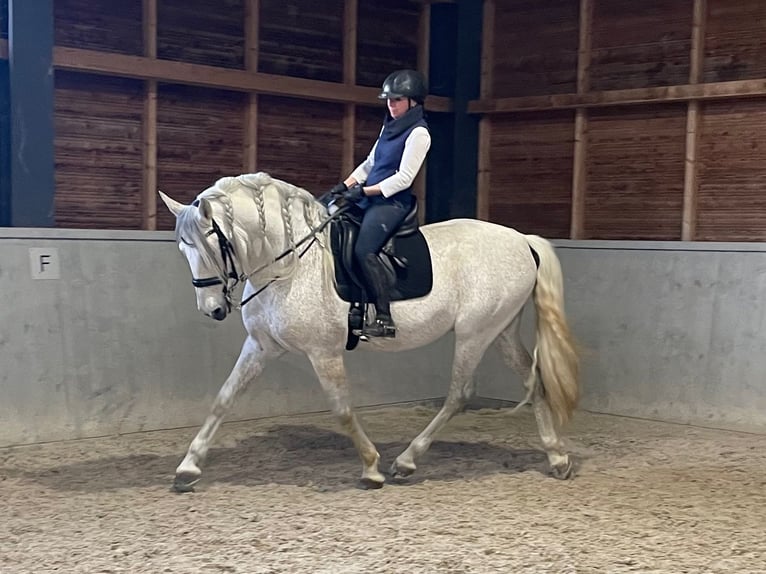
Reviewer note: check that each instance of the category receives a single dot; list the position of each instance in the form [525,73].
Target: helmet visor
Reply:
[386,95]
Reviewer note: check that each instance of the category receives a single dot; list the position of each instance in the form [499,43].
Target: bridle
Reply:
[229,266]
[228,256]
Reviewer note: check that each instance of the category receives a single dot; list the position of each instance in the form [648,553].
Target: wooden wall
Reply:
[614,119]
[98,151]
[535,151]
[602,119]
[302,38]
[539,48]
[173,94]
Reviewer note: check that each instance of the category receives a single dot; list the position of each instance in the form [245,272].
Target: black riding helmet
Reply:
[404,84]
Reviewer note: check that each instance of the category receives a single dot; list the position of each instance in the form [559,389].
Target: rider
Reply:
[382,185]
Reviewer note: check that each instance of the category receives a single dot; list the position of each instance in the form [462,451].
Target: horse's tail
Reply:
[555,351]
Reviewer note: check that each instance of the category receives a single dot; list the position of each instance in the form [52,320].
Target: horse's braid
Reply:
[287,219]
[229,209]
[259,204]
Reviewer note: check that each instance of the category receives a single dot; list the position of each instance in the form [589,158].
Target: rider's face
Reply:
[398,106]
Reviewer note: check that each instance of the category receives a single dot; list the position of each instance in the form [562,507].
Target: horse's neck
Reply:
[269,225]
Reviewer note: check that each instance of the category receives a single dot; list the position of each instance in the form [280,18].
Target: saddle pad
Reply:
[413,281]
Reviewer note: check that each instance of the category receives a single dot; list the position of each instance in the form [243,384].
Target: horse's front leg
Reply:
[332,375]
[249,365]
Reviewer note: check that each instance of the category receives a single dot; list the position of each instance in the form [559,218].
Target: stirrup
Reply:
[384,328]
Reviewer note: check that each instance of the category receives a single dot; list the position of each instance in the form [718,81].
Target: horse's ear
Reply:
[174,206]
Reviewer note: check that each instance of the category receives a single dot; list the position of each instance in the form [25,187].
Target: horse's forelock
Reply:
[188,230]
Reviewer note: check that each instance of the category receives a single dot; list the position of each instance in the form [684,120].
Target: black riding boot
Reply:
[377,282]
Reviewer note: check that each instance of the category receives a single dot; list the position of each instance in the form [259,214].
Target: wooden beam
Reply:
[691,181]
[250,155]
[484,176]
[487,49]
[149,121]
[584,46]
[483,184]
[697,53]
[633,96]
[579,172]
[693,112]
[424,55]
[149,14]
[424,39]
[350,27]
[252,13]
[126,66]
[252,29]
[350,23]
[580,155]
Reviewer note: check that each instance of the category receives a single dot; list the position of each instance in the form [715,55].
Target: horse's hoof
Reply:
[370,484]
[184,482]
[399,470]
[563,471]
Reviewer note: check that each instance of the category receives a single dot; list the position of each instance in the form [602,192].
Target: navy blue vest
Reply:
[389,150]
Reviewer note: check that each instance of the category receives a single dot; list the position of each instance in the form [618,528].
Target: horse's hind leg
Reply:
[249,365]
[332,375]
[518,358]
[468,353]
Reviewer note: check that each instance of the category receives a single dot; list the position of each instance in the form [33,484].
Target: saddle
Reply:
[405,257]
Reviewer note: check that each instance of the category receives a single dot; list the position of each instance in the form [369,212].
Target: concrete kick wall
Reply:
[116,345]
[673,331]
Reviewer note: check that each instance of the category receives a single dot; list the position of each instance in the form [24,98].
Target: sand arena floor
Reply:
[280,496]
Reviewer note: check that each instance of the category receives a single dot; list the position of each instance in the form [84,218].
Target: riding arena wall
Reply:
[100,335]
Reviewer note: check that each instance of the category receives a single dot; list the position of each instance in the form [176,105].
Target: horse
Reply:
[245,229]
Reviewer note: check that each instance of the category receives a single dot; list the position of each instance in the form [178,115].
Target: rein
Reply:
[230,268]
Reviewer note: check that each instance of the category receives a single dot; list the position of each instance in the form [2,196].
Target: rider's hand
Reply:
[339,189]
[354,193]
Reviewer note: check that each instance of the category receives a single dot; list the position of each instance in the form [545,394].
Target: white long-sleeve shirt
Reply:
[416,147]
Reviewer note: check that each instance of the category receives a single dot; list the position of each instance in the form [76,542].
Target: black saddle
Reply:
[405,256]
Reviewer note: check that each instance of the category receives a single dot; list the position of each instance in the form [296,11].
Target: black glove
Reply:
[354,193]
[339,189]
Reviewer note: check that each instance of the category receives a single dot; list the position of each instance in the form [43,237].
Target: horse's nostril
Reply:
[219,314]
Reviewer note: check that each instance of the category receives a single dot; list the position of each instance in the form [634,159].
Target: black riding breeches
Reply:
[380,222]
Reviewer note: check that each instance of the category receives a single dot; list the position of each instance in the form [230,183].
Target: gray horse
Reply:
[483,274]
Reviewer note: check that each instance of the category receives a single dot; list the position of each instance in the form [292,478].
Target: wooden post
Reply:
[250,160]
[484,179]
[350,17]
[580,156]
[424,40]
[691,168]
[149,121]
